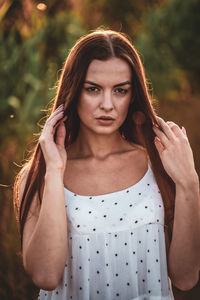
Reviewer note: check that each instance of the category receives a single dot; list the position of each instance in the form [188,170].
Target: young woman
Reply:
[109,202]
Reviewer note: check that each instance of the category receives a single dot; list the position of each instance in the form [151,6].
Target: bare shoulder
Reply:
[21,181]
[20,187]
[33,212]
[139,149]
[139,158]
[23,178]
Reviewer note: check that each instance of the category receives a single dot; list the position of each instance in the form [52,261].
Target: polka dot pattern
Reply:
[116,246]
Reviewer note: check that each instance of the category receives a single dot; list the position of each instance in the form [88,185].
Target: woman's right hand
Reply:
[54,152]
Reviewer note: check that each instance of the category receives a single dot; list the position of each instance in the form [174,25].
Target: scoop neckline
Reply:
[119,191]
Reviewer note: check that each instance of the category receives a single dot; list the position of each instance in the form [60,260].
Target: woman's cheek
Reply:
[85,105]
[124,109]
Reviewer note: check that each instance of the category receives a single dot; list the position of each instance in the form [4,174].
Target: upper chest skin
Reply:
[89,176]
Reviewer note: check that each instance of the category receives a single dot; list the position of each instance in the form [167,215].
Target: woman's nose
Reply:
[107,101]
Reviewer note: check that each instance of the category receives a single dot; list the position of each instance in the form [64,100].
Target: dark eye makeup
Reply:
[91,89]
[121,91]
[116,90]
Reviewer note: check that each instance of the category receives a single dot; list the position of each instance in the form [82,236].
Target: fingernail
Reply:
[184,129]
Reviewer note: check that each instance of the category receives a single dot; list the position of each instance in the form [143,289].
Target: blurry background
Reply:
[35,38]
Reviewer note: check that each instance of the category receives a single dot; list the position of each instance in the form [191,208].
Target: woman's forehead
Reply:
[113,68]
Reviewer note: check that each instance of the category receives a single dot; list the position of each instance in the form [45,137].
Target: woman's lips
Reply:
[105,122]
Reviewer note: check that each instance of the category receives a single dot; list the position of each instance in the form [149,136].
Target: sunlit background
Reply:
[35,38]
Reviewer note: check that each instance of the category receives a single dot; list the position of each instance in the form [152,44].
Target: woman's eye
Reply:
[91,89]
[121,91]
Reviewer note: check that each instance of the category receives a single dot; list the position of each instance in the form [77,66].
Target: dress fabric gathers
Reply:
[116,246]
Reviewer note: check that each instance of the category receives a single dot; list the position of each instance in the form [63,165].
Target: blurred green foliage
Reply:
[34,42]
[170,45]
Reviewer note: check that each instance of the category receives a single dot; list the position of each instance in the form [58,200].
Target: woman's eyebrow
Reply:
[116,85]
[122,83]
[92,83]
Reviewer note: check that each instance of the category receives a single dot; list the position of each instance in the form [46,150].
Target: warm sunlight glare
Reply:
[42,6]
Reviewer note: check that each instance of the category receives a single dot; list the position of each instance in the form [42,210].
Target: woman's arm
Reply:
[184,251]
[45,235]
[177,158]
[45,232]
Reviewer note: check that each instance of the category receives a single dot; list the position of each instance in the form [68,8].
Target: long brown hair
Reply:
[102,45]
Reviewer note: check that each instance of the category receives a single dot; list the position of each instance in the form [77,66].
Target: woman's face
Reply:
[105,97]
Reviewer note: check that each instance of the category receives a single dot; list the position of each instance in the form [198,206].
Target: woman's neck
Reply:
[92,145]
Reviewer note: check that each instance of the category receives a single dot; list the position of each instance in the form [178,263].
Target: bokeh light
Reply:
[41,6]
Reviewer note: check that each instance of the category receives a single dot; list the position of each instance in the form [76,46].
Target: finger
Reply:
[57,111]
[162,136]
[175,129]
[61,134]
[184,131]
[59,121]
[61,106]
[159,146]
[54,118]
[165,127]
[49,128]
[171,126]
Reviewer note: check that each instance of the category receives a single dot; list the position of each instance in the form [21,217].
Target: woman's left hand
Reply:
[175,152]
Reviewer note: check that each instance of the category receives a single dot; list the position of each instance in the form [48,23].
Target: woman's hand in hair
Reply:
[175,152]
[54,152]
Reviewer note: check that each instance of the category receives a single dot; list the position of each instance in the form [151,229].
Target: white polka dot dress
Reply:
[116,246]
